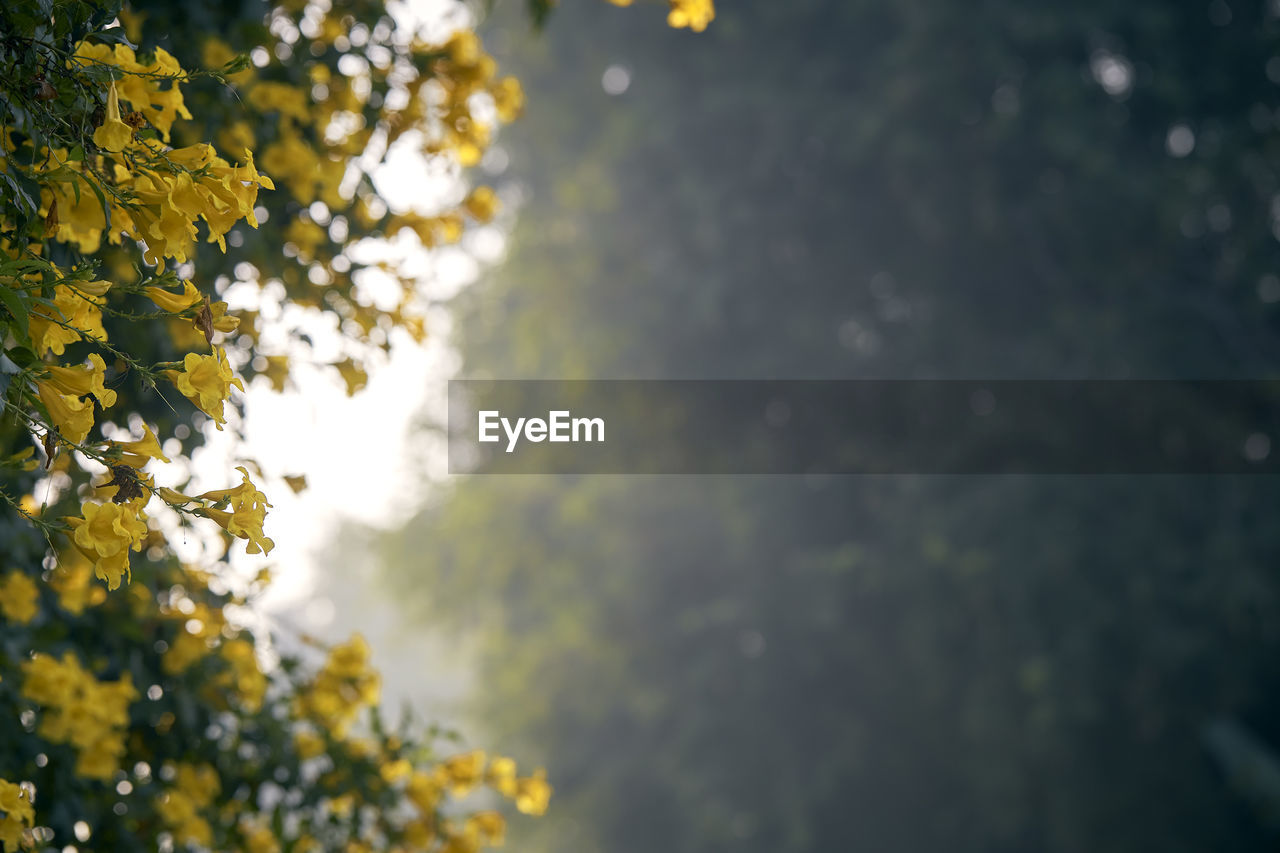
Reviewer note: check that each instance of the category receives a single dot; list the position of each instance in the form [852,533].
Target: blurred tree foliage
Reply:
[857,189]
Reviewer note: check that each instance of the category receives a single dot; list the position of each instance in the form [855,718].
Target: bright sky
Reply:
[366,457]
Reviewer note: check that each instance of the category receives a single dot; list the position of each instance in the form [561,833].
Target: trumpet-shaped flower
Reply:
[106,533]
[71,416]
[74,315]
[174,303]
[113,134]
[84,379]
[245,514]
[151,89]
[137,453]
[173,496]
[220,320]
[206,380]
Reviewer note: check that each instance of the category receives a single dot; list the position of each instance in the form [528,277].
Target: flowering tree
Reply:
[154,156]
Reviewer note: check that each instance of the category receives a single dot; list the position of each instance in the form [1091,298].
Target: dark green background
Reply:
[854,189]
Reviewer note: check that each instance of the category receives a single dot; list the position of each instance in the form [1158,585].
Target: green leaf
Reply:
[115,35]
[21,356]
[7,371]
[19,195]
[15,304]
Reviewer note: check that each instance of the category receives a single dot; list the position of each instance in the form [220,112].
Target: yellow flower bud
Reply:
[113,134]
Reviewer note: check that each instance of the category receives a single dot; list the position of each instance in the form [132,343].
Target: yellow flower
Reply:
[307,844]
[113,134]
[89,714]
[393,771]
[141,85]
[352,374]
[18,597]
[192,157]
[464,772]
[508,98]
[82,380]
[694,14]
[343,805]
[105,534]
[137,453]
[19,815]
[185,650]
[221,320]
[502,776]
[344,685]
[277,371]
[245,678]
[246,513]
[181,816]
[258,838]
[488,827]
[170,496]
[350,659]
[237,137]
[419,834]
[76,315]
[464,47]
[71,416]
[174,303]
[194,788]
[309,744]
[306,236]
[72,582]
[287,100]
[482,204]
[533,793]
[171,231]
[423,790]
[206,380]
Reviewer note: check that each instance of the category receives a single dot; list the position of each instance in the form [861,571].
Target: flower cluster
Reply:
[18,597]
[181,807]
[150,87]
[80,710]
[342,688]
[125,186]
[156,193]
[106,533]
[458,776]
[74,314]
[133,208]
